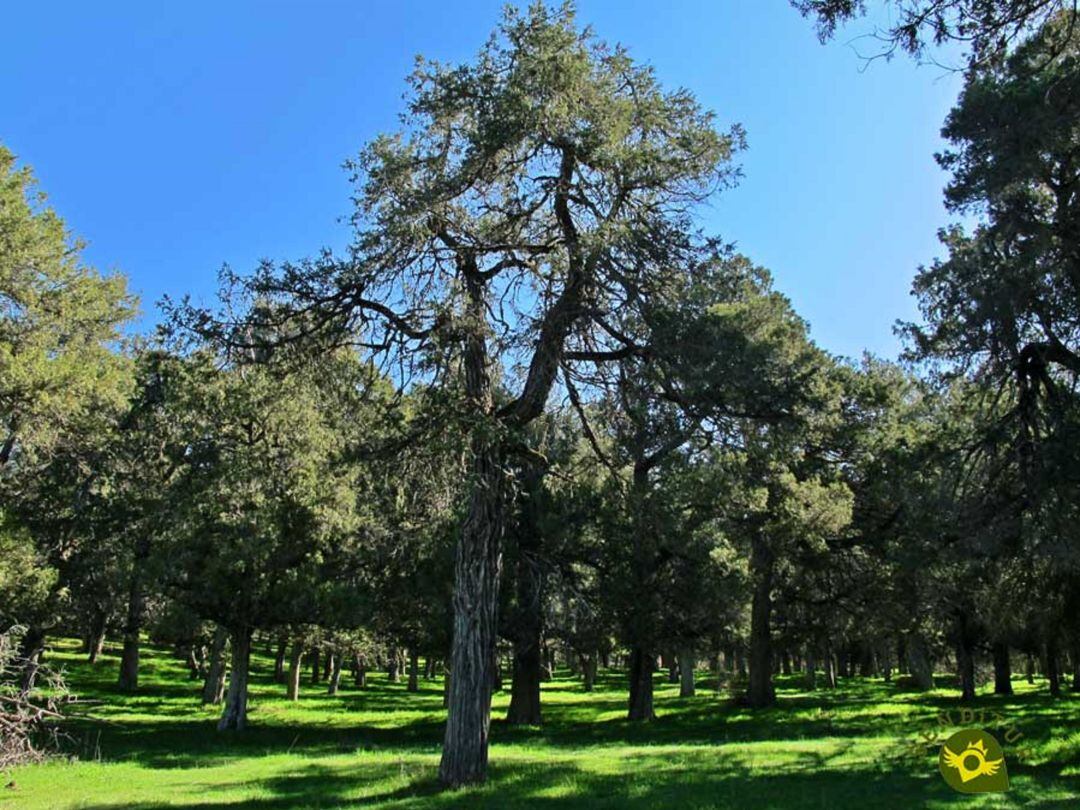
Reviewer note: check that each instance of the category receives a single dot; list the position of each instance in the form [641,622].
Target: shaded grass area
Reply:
[379,748]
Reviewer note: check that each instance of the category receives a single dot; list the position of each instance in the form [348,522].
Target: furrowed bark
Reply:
[476,584]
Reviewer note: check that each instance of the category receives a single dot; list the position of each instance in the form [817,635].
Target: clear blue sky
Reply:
[175,137]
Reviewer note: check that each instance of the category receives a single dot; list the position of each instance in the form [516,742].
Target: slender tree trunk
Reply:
[214,685]
[1053,666]
[279,659]
[334,681]
[234,718]
[761,691]
[686,672]
[478,560]
[316,669]
[829,663]
[393,666]
[1075,655]
[296,663]
[641,685]
[1002,669]
[414,672]
[360,668]
[1029,668]
[810,676]
[965,658]
[96,641]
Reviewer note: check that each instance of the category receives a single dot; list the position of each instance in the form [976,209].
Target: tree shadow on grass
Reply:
[644,783]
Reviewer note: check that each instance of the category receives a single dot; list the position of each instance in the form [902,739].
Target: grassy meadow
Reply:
[379,748]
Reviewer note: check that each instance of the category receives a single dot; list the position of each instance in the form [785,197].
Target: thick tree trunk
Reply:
[477,564]
[234,718]
[761,691]
[686,673]
[128,679]
[641,685]
[525,685]
[214,686]
[414,672]
[528,617]
[334,681]
[296,663]
[393,666]
[588,669]
[922,673]
[1002,669]
[316,669]
[328,663]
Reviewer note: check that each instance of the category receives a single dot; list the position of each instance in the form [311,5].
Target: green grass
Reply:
[379,748]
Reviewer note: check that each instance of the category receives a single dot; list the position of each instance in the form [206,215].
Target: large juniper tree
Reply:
[529,195]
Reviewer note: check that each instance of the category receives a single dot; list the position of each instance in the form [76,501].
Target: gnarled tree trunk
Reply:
[476,598]
[334,681]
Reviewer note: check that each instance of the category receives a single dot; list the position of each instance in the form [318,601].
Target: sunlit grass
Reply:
[379,747]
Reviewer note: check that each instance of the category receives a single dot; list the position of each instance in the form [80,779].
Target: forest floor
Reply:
[379,748]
